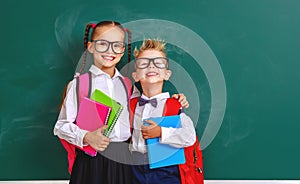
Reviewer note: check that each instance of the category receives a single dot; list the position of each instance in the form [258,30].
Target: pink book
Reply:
[91,116]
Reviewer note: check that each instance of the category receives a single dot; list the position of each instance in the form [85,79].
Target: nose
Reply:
[151,64]
[110,50]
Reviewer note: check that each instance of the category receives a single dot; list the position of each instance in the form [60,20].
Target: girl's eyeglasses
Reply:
[159,62]
[103,46]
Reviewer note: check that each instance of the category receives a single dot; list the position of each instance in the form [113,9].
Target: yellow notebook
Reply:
[116,109]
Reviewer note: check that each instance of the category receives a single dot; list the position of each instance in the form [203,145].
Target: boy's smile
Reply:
[151,74]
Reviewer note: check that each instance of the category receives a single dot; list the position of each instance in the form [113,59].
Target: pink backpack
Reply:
[84,90]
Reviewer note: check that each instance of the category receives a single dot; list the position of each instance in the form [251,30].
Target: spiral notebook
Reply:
[161,155]
[116,109]
[91,116]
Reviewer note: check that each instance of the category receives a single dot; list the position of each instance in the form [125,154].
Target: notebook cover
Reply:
[116,109]
[161,155]
[91,116]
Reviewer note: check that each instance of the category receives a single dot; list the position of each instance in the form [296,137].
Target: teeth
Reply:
[151,73]
[108,57]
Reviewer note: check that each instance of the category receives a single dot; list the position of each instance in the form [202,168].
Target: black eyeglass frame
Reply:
[153,61]
[110,44]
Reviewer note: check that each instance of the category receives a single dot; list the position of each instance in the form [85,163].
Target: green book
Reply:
[116,109]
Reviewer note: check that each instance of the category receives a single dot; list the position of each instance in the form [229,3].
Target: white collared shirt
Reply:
[177,137]
[66,129]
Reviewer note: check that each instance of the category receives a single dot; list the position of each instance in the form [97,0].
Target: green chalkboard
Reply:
[236,61]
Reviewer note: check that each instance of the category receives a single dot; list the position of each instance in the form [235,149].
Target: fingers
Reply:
[180,97]
[151,131]
[175,96]
[102,146]
[105,140]
[97,140]
[182,100]
[145,131]
[102,129]
[146,135]
[150,122]
[151,125]
[101,149]
[185,104]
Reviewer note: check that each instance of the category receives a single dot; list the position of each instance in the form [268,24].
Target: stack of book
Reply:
[116,109]
[95,112]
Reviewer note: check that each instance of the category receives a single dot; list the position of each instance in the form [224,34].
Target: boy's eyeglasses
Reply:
[159,62]
[103,46]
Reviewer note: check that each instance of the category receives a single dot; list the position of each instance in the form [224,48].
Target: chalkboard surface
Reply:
[236,61]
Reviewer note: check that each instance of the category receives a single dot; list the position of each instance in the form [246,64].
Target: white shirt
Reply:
[66,129]
[177,137]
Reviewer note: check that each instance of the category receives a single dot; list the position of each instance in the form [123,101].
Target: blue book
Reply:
[161,155]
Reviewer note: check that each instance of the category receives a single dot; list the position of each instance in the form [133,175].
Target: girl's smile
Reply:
[108,58]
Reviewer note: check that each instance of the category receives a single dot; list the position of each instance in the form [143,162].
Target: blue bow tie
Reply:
[152,101]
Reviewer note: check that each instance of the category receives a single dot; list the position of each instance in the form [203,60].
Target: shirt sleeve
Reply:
[179,137]
[65,127]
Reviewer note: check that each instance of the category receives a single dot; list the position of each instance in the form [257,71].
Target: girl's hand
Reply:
[151,131]
[182,100]
[96,139]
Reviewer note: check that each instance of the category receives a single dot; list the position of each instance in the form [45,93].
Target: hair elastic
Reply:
[94,25]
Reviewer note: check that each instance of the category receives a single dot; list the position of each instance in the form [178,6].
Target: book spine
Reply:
[108,131]
[107,116]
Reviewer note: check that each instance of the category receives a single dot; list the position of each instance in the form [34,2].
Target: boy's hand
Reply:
[182,100]
[96,139]
[151,131]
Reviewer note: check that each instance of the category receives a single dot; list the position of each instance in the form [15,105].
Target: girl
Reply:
[107,46]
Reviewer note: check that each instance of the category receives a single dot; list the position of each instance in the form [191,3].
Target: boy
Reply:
[151,69]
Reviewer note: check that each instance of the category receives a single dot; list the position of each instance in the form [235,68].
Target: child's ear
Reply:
[90,47]
[168,74]
[134,76]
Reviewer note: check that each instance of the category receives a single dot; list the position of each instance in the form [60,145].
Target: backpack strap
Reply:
[127,85]
[83,86]
[133,103]
[172,107]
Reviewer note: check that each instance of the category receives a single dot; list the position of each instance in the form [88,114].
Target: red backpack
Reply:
[191,172]
[84,90]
